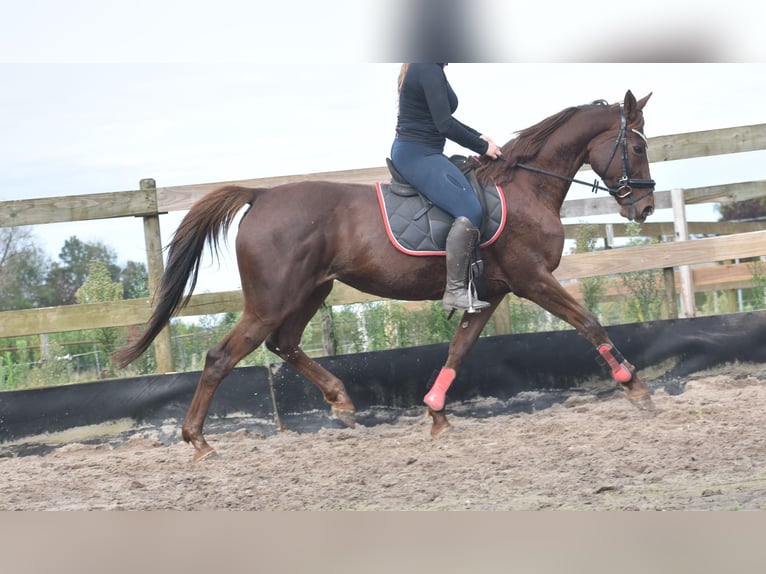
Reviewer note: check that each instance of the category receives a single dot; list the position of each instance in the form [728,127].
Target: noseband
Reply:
[625,184]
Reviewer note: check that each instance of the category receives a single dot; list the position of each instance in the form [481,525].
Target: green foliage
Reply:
[135,280]
[379,332]
[644,286]
[28,278]
[53,369]
[8,372]
[438,328]
[343,329]
[66,276]
[586,238]
[346,330]
[755,297]
[748,209]
[646,302]
[369,327]
[383,325]
[99,288]
[192,341]
[23,267]
[90,270]
[330,341]
[27,366]
[528,317]
[592,288]
[405,325]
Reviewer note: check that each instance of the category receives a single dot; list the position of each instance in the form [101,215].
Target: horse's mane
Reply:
[527,144]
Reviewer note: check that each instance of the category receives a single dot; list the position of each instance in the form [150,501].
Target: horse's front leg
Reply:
[551,296]
[468,331]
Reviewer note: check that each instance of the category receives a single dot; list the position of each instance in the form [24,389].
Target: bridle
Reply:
[625,184]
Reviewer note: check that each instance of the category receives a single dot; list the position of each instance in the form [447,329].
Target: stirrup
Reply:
[475,305]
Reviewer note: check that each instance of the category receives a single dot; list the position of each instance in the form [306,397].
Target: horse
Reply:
[295,240]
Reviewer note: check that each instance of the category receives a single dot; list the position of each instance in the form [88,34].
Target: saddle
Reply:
[418,227]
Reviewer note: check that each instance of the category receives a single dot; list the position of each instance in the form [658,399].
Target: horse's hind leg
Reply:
[285,342]
[245,337]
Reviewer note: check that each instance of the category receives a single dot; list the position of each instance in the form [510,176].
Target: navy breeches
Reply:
[431,172]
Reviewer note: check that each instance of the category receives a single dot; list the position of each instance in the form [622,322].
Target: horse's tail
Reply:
[208,219]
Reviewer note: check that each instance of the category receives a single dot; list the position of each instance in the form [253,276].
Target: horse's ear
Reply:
[632,106]
[630,103]
[642,102]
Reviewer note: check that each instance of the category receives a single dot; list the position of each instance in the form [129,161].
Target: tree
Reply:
[749,209]
[135,280]
[644,285]
[592,288]
[66,277]
[23,267]
[98,288]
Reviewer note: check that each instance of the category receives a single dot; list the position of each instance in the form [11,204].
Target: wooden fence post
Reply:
[685,271]
[502,317]
[155,267]
[671,303]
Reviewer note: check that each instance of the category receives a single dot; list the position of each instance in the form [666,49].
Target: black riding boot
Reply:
[461,244]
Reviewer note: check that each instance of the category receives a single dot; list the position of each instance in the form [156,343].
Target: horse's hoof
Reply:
[439,430]
[643,403]
[205,454]
[440,423]
[347,417]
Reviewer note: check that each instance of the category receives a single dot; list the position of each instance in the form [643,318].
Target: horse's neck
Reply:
[563,154]
[566,150]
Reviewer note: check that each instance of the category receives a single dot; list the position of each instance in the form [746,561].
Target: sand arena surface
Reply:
[703,449]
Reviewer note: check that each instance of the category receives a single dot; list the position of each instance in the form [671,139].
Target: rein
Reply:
[624,183]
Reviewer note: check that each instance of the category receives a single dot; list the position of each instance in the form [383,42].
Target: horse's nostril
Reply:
[647,211]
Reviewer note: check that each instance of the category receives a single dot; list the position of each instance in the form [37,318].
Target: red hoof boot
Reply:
[616,363]
[436,396]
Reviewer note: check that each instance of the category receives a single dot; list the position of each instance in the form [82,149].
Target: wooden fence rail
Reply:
[746,239]
[609,262]
[153,201]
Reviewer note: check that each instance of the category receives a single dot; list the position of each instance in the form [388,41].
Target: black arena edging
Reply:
[386,384]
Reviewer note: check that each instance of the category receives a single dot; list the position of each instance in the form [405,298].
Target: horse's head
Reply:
[622,161]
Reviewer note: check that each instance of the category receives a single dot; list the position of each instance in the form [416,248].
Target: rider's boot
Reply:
[461,244]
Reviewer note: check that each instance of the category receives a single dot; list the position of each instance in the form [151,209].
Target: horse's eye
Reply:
[638,150]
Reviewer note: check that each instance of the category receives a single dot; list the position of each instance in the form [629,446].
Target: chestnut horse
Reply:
[296,239]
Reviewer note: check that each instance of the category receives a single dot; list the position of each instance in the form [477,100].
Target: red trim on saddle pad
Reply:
[403,249]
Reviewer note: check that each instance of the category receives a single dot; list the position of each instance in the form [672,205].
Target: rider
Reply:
[424,123]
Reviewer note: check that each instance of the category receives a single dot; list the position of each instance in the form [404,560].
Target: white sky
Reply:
[93,100]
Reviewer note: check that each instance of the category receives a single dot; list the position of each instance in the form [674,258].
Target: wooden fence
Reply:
[735,241]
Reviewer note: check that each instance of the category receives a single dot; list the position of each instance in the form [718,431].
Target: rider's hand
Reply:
[493,150]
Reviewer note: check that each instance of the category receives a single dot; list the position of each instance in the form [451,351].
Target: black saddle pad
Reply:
[418,227]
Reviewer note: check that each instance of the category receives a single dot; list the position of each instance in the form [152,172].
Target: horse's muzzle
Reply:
[647,211]
[639,216]
[632,213]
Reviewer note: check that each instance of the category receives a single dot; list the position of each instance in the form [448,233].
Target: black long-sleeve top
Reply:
[426,105]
